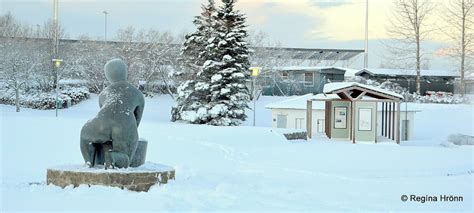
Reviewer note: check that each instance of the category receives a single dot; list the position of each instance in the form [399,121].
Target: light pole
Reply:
[105,28]
[366,49]
[56,61]
[255,73]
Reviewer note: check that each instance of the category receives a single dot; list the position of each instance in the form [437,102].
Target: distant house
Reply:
[296,80]
[291,114]
[431,80]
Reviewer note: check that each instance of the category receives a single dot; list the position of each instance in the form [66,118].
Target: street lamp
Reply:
[105,28]
[55,60]
[255,72]
[57,63]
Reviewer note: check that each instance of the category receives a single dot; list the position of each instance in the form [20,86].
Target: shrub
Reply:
[45,100]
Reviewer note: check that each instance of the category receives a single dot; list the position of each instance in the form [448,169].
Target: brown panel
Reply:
[350,130]
[353,106]
[327,118]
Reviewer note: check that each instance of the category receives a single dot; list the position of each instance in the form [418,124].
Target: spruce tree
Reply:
[217,55]
[192,57]
[228,68]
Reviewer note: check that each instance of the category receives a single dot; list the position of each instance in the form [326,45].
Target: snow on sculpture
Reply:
[111,138]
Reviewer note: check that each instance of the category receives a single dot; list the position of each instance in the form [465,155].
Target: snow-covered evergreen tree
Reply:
[191,95]
[228,68]
[218,94]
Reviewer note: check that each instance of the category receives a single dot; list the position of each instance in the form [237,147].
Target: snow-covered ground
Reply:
[242,168]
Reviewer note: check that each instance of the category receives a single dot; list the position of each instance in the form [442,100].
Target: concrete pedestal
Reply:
[134,179]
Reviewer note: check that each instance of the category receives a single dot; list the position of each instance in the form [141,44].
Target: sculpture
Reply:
[111,138]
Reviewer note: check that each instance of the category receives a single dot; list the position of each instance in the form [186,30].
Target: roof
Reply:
[299,103]
[334,87]
[470,76]
[311,53]
[350,72]
[278,52]
[307,69]
[407,72]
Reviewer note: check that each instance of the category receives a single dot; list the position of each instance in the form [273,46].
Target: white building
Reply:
[291,114]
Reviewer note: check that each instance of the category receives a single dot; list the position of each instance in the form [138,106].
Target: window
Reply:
[308,79]
[284,75]
[281,121]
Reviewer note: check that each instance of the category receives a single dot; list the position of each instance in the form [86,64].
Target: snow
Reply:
[394,72]
[295,102]
[242,168]
[216,78]
[331,87]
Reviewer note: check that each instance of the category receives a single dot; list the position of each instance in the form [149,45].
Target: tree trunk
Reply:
[17,98]
[418,63]
[463,49]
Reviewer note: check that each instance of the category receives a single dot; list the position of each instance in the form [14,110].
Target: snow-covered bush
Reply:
[460,139]
[296,136]
[441,98]
[45,100]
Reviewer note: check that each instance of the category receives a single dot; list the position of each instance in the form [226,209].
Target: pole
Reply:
[406,112]
[105,28]
[55,50]
[366,49]
[254,99]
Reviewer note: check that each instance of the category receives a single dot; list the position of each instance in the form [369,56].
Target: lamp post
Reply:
[56,64]
[105,27]
[366,49]
[55,60]
[255,73]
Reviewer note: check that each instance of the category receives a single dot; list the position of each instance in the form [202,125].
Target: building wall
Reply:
[293,114]
[295,85]
[336,132]
[403,116]
[296,116]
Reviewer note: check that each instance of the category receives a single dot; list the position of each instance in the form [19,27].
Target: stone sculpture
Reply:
[111,138]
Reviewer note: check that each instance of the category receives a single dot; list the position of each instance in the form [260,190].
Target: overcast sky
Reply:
[295,23]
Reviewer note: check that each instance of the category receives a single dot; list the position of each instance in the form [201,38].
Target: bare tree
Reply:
[268,56]
[130,47]
[17,65]
[460,19]
[86,61]
[11,27]
[408,28]
[161,62]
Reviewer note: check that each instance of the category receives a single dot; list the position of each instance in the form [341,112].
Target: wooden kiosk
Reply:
[353,115]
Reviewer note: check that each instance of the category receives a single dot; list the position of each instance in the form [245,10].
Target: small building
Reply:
[468,83]
[292,114]
[297,80]
[431,80]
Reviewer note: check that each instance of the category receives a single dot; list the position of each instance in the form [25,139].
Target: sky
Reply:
[293,23]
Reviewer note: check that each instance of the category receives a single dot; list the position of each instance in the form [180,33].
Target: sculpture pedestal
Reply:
[134,179]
